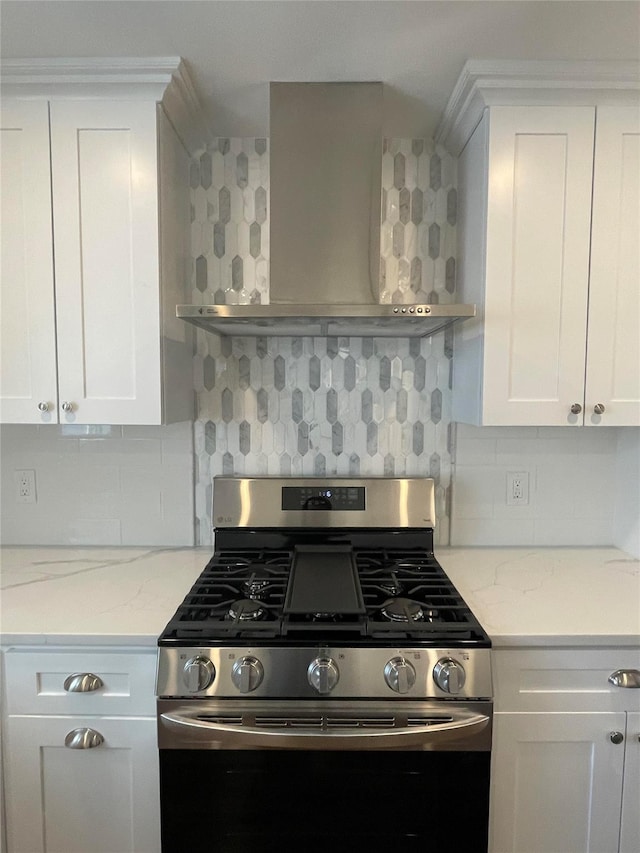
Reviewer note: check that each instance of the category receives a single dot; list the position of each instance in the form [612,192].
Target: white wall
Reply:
[572,477]
[101,485]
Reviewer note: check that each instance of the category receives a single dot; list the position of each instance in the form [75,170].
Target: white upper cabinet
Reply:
[27,311]
[95,256]
[613,337]
[549,217]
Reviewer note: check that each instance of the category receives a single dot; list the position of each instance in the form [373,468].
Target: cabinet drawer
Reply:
[563,679]
[36,682]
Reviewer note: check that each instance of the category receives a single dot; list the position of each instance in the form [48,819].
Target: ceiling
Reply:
[233,48]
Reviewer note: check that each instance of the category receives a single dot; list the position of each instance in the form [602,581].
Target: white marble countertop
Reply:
[125,596]
[74,596]
[550,596]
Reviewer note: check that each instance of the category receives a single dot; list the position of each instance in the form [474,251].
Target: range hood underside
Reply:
[357,321]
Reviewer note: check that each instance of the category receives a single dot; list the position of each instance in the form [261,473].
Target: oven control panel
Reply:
[323,497]
[305,672]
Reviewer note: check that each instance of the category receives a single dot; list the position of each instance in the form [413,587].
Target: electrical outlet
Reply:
[25,481]
[517,488]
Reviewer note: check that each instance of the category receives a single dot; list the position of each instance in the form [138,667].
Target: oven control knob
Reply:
[247,674]
[449,675]
[323,675]
[400,675]
[199,672]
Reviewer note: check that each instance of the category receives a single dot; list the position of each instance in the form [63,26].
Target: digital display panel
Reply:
[327,498]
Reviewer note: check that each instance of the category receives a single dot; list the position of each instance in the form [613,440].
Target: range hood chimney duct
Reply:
[326,188]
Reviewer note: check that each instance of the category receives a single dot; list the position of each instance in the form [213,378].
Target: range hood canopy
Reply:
[325,214]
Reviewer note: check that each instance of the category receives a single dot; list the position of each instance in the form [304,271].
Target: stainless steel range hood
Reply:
[325,176]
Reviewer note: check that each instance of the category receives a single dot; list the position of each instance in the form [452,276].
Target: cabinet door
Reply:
[27,318]
[99,800]
[630,829]
[105,213]
[556,783]
[537,263]
[613,352]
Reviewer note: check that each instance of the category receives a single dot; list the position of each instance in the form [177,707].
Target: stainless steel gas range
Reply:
[322,669]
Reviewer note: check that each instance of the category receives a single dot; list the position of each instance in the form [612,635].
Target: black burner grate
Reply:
[219,606]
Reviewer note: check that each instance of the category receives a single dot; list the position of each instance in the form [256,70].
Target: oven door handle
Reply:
[191,729]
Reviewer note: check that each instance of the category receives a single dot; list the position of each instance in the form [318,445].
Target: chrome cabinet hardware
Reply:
[82,682]
[598,408]
[43,407]
[616,737]
[576,408]
[67,407]
[625,678]
[83,739]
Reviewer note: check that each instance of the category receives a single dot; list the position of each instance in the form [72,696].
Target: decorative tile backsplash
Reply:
[322,406]
[419,210]
[230,223]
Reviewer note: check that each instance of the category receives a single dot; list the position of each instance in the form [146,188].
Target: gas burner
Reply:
[402,610]
[255,585]
[246,610]
[325,617]
[391,586]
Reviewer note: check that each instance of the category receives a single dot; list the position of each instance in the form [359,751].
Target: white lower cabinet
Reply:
[557,779]
[81,765]
[84,800]
[630,824]
[566,780]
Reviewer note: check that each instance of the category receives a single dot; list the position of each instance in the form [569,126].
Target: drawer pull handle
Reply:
[83,739]
[625,678]
[616,737]
[82,682]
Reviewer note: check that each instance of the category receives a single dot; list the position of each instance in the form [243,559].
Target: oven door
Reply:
[348,776]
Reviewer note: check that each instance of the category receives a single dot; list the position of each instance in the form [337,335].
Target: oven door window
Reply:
[275,801]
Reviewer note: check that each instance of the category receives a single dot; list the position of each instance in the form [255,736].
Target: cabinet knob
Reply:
[598,409]
[67,407]
[625,678]
[82,682]
[43,407]
[616,737]
[83,739]
[576,408]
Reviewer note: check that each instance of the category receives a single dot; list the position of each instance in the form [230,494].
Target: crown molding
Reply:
[486,83]
[163,79]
